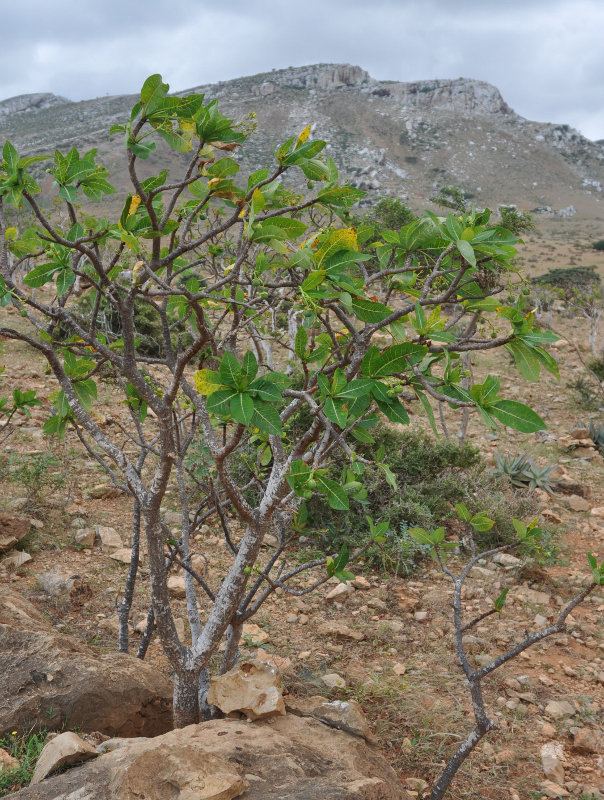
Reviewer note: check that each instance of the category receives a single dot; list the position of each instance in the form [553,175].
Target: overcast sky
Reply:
[545,56]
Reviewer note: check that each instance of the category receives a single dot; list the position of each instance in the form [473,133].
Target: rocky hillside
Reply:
[405,139]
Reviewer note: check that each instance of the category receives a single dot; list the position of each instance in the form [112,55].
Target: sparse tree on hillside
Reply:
[216,263]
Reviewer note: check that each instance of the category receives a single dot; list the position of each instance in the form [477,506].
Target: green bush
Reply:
[26,748]
[570,279]
[432,475]
[599,245]
[596,365]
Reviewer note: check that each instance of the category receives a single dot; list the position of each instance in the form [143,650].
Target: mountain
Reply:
[403,139]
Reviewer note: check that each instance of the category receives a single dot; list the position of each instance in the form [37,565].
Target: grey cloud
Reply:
[544,55]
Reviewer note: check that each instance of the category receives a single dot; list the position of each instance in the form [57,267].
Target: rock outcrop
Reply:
[13,528]
[50,680]
[294,757]
[30,102]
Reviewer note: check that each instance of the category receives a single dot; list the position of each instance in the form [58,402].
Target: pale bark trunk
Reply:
[185,701]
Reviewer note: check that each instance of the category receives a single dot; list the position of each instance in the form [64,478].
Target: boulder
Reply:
[110,538]
[252,688]
[177,587]
[15,559]
[337,630]
[345,715]
[64,588]
[13,528]
[552,760]
[85,537]
[64,749]
[50,680]
[295,757]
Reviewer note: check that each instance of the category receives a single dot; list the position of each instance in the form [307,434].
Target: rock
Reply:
[292,756]
[551,789]
[598,512]
[507,560]
[532,596]
[552,758]
[361,583]
[345,715]
[576,503]
[548,731]
[176,587]
[110,538]
[66,748]
[278,662]
[585,740]
[7,762]
[64,588]
[339,592]
[415,784]
[549,514]
[399,669]
[254,635]
[540,621]
[124,556]
[250,688]
[483,659]
[15,559]
[337,630]
[420,616]
[85,537]
[51,680]
[559,709]
[13,528]
[579,433]
[333,680]
[104,492]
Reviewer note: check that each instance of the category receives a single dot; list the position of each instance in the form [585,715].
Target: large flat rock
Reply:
[50,680]
[291,757]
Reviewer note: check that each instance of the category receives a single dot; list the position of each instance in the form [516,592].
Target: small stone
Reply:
[305,654]
[339,592]
[576,503]
[507,560]
[548,514]
[540,621]
[253,635]
[420,616]
[559,709]
[548,731]
[399,669]
[361,583]
[103,492]
[280,663]
[292,618]
[552,758]
[66,748]
[585,741]
[251,688]
[483,659]
[110,538]
[176,587]
[598,512]
[123,555]
[415,784]
[333,680]
[502,756]
[303,619]
[84,537]
[579,433]
[15,559]
[7,762]
[551,789]
[12,529]
[338,630]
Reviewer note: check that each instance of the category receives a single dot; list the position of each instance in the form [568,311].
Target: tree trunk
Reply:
[185,701]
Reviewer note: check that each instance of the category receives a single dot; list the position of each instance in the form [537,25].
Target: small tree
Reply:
[218,264]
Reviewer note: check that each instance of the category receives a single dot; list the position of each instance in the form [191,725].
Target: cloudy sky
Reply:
[545,56]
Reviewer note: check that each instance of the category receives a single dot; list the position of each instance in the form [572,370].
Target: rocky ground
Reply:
[382,641]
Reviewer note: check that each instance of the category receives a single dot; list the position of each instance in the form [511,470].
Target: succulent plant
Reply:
[596,434]
[523,473]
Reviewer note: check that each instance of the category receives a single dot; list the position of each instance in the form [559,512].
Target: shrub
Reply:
[599,245]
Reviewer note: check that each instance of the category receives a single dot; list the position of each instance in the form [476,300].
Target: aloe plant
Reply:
[522,472]
[596,434]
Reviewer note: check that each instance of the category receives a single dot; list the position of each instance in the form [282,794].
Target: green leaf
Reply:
[242,408]
[249,366]
[335,494]
[266,390]
[517,415]
[65,280]
[229,369]
[500,601]
[525,358]
[40,275]
[462,512]
[356,388]
[300,343]
[466,250]
[335,412]
[369,311]
[394,411]
[266,418]
[428,409]
[220,402]
[314,279]
[152,93]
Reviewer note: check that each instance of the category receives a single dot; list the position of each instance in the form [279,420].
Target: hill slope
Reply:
[405,139]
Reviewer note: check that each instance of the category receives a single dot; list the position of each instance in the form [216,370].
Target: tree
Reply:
[217,263]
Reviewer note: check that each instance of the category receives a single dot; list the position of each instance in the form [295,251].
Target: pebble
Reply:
[333,680]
